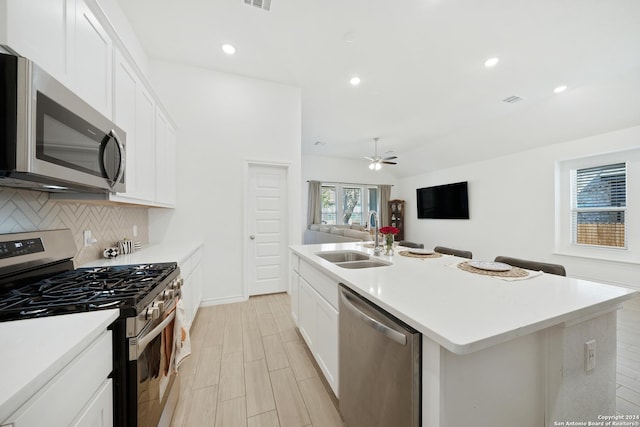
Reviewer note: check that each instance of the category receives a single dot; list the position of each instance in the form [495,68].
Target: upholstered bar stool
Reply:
[556,269]
[408,244]
[455,252]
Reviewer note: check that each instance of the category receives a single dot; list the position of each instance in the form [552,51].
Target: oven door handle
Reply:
[138,345]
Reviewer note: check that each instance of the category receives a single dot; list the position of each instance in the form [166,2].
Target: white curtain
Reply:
[314,216]
[385,196]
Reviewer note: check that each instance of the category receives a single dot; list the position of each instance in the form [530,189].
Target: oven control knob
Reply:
[177,284]
[160,305]
[152,313]
[168,294]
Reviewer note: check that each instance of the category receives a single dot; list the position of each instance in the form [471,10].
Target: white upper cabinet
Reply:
[75,42]
[145,166]
[134,112]
[92,55]
[125,84]
[40,30]
[66,40]
[165,160]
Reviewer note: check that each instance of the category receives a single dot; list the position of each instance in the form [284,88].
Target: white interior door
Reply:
[267,226]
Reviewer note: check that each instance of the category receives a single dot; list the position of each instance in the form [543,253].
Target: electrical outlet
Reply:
[590,355]
[88,239]
[135,231]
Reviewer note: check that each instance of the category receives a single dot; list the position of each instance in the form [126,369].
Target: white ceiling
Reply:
[425,91]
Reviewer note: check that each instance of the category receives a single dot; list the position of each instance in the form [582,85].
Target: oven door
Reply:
[152,363]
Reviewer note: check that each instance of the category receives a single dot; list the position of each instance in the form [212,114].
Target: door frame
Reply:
[246,262]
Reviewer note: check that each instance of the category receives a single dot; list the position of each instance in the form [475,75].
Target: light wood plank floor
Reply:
[628,378]
[249,367]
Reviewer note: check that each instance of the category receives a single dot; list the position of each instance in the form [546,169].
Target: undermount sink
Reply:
[351,259]
[362,264]
[342,256]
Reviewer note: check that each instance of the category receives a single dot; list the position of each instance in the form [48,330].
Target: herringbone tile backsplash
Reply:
[24,210]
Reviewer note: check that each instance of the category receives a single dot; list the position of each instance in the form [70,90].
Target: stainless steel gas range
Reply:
[38,278]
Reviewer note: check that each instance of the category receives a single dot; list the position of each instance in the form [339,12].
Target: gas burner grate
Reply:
[85,289]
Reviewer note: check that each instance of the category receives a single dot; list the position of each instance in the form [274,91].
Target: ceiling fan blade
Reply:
[370,159]
[389,163]
[390,158]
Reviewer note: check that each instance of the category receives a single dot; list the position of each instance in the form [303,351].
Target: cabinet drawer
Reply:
[62,399]
[321,283]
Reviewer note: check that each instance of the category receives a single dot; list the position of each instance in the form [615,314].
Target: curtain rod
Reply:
[348,183]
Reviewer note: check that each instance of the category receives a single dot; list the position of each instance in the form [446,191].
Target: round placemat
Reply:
[410,255]
[514,272]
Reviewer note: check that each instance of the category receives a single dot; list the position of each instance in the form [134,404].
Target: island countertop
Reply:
[465,312]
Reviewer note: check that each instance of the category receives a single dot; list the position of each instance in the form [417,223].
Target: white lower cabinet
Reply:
[99,411]
[308,323]
[318,320]
[80,394]
[326,352]
[191,272]
[294,291]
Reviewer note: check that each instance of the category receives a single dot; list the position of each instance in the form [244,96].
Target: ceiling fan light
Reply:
[372,165]
[378,166]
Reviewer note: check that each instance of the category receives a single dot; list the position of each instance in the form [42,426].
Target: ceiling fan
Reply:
[378,161]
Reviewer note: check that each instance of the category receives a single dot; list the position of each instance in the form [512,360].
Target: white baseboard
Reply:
[218,301]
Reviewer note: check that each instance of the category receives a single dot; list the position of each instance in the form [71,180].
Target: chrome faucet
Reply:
[377,250]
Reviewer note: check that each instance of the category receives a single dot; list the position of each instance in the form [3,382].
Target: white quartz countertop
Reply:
[35,350]
[165,252]
[462,311]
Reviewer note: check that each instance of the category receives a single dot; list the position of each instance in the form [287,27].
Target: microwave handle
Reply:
[115,137]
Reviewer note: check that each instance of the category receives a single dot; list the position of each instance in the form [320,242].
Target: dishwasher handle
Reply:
[392,334]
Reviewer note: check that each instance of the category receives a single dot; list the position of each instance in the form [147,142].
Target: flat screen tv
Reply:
[448,201]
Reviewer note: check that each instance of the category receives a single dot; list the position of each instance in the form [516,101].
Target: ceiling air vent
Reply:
[262,4]
[512,99]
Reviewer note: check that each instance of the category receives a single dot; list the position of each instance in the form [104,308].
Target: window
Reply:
[599,200]
[351,205]
[596,207]
[329,207]
[354,202]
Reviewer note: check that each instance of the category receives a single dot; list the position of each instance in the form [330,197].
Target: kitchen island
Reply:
[494,352]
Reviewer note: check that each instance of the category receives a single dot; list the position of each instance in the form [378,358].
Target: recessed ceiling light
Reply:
[349,37]
[228,49]
[491,62]
[560,89]
[355,81]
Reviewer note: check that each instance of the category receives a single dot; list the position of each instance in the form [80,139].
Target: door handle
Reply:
[137,345]
[114,136]
[252,237]
[373,323]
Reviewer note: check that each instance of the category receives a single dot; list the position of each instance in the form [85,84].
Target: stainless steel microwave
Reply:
[50,139]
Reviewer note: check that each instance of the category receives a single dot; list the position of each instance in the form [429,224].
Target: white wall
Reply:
[222,121]
[333,169]
[512,207]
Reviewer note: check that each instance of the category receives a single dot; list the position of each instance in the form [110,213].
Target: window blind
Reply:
[599,200]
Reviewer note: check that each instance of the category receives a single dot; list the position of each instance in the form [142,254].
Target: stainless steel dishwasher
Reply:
[380,366]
